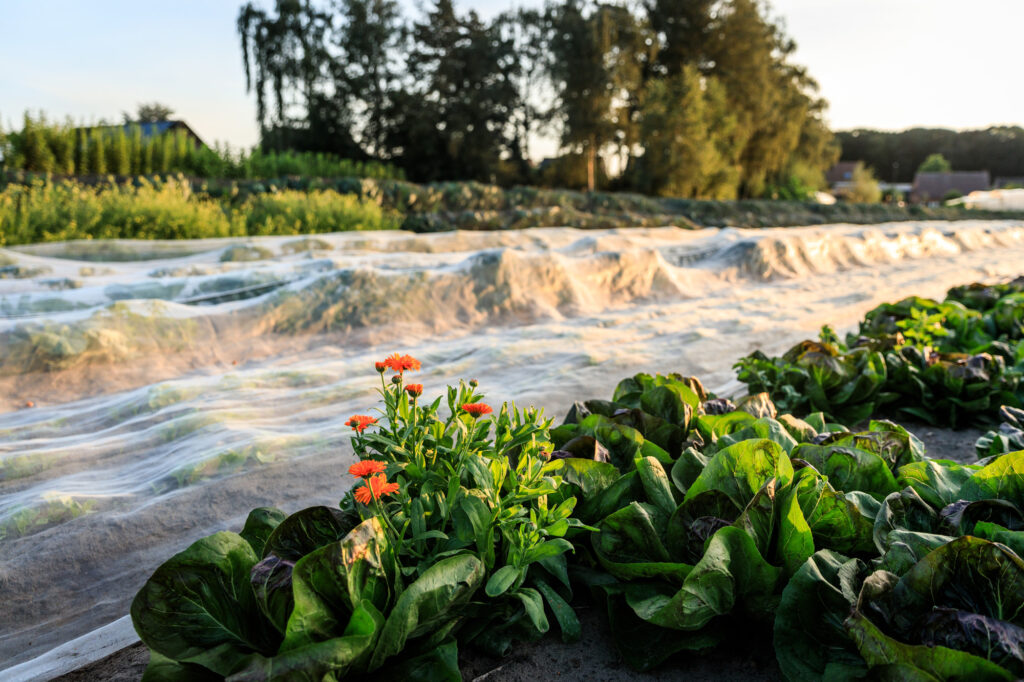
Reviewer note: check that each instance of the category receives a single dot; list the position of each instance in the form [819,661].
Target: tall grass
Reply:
[55,211]
[65,149]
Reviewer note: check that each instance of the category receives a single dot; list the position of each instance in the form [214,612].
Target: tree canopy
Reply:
[896,156]
[674,97]
[935,163]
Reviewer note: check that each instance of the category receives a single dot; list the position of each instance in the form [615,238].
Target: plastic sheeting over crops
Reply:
[175,385]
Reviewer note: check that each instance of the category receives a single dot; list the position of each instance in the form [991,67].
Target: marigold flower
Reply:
[367,468]
[415,390]
[375,488]
[359,422]
[380,366]
[400,363]
[477,409]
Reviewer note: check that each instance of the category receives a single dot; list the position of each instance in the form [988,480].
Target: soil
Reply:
[593,658]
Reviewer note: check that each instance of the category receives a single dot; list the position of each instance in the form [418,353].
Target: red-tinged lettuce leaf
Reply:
[984,636]
[271,582]
[810,640]
[731,577]
[307,530]
[968,574]
[904,510]
[199,607]
[630,544]
[961,517]
[880,652]
[331,582]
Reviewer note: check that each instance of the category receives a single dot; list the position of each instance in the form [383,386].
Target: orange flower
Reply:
[415,390]
[380,366]
[375,488]
[477,409]
[366,468]
[359,422]
[400,363]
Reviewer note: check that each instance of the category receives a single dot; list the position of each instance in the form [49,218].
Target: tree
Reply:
[898,155]
[451,119]
[368,36]
[287,65]
[935,163]
[684,29]
[95,156]
[596,70]
[865,189]
[32,147]
[525,66]
[685,131]
[120,161]
[152,113]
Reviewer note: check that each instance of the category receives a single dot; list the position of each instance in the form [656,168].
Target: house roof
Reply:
[841,172]
[935,186]
[154,128]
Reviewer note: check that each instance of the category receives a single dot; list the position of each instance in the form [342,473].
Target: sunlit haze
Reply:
[881,63]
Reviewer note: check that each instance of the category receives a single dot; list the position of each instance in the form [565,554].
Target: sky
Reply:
[888,64]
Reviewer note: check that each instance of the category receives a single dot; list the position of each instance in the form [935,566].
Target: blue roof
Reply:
[151,129]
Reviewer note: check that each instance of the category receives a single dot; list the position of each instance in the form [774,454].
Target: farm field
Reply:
[155,392]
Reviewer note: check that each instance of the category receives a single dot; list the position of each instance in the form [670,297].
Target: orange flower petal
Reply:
[367,467]
[477,409]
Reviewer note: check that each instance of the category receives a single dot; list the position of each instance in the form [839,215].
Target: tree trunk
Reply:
[591,163]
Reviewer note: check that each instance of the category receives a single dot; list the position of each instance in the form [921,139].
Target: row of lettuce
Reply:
[950,363]
[689,518]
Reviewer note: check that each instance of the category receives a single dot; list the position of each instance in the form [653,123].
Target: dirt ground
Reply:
[594,658]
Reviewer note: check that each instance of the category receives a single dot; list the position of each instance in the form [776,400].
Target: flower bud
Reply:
[397,379]
[474,383]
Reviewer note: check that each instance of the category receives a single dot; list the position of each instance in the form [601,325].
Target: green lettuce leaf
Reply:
[199,607]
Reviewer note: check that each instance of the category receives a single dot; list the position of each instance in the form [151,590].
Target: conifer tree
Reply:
[96,162]
[135,150]
[36,154]
[120,157]
[684,126]
[148,150]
